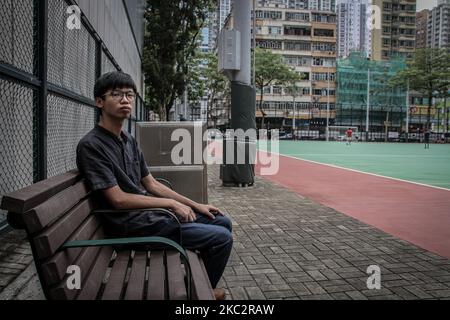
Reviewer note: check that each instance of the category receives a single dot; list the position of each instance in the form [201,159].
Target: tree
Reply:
[170,40]
[428,72]
[215,82]
[270,69]
[292,89]
[444,94]
[195,80]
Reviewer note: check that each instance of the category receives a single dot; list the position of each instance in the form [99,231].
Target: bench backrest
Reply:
[52,212]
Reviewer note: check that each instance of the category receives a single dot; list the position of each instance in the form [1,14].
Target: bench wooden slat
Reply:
[59,209]
[157,276]
[47,242]
[94,280]
[89,277]
[201,286]
[45,213]
[177,287]
[29,197]
[116,279]
[136,283]
[54,270]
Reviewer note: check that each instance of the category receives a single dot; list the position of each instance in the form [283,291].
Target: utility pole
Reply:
[294,109]
[254,44]
[446,117]
[407,111]
[368,104]
[243,102]
[328,108]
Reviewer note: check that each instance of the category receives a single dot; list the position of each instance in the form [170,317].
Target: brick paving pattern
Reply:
[285,247]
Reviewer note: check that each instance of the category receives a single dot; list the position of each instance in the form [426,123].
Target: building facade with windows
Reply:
[217,20]
[353,32]
[218,114]
[198,112]
[304,33]
[397,35]
[422,29]
[439,26]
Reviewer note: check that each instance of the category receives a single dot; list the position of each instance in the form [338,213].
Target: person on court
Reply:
[349,134]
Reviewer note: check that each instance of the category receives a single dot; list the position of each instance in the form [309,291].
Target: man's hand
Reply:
[185,213]
[207,210]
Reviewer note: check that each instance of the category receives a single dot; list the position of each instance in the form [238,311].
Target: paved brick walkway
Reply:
[18,278]
[286,247]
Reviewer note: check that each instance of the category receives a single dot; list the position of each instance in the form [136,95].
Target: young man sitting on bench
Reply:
[115,170]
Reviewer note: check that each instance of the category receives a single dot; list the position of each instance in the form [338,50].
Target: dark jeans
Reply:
[212,238]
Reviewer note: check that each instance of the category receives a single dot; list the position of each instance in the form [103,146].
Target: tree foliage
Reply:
[217,84]
[170,40]
[195,78]
[271,69]
[427,72]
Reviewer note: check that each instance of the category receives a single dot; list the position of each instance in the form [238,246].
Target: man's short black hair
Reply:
[111,81]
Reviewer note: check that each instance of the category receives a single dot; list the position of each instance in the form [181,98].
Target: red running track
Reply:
[415,213]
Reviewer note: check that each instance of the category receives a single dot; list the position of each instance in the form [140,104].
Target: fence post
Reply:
[40,134]
[98,72]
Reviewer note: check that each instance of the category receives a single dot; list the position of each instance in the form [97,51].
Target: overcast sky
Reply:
[426,4]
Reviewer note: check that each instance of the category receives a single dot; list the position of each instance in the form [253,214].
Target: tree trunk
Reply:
[167,114]
[208,110]
[161,112]
[169,105]
[210,107]
[294,122]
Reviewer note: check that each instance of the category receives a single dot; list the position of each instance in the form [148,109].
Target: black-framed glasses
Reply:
[118,95]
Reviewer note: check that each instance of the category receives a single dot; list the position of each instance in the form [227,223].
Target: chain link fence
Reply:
[16,145]
[74,59]
[71,53]
[17,34]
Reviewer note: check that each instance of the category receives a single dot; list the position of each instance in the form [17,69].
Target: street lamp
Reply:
[328,107]
[407,111]
[368,104]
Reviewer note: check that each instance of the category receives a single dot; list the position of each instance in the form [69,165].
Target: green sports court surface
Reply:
[406,161]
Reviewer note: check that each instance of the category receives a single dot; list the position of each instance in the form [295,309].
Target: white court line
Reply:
[370,155]
[358,171]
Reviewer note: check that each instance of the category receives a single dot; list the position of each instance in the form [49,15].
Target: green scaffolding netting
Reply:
[353,75]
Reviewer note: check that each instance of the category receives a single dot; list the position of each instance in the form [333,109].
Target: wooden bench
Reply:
[64,229]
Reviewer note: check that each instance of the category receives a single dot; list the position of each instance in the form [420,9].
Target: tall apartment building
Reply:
[353,32]
[422,28]
[198,112]
[219,115]
[397,34]
[304,33]
[439,25]
[217,20]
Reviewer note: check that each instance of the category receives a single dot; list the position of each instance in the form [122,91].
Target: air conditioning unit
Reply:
[229,50]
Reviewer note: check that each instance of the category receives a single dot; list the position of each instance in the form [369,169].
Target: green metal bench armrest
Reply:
[123,241]
[165,211]
[137,240]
